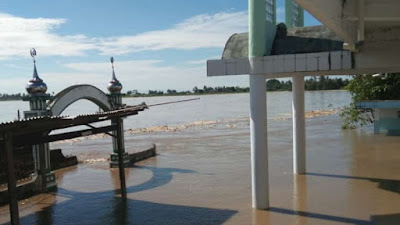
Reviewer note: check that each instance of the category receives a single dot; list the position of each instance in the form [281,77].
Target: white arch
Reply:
[74,93]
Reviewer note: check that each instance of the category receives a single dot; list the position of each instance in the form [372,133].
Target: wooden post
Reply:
[12,187]
[42,169]
[120,158]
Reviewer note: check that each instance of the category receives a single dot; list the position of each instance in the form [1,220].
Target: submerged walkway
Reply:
[202,177]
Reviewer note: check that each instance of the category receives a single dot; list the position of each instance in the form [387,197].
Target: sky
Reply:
[156,45]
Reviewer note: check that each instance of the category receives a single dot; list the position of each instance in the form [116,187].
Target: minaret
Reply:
[37,98]
[36,89]
[35,85]
[114,86]
[115,96]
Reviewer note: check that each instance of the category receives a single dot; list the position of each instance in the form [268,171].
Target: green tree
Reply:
[368,87]
[274,85]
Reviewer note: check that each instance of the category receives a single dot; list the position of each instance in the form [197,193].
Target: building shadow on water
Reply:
[114,210]
[385,184]
[161,176]
[106,208]
[390,219]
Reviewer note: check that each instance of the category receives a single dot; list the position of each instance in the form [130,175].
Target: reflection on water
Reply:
[107,208]
[201,175]
[323,217]
[45,216]
[300,196]
[114,210]
[385,184]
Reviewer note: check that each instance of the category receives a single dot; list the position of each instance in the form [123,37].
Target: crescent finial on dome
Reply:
[35,85]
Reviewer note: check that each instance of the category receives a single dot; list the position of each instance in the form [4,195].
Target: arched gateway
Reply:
[42,104]
[77,92]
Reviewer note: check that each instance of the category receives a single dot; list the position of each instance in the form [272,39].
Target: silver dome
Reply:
[114,86]
[36,85]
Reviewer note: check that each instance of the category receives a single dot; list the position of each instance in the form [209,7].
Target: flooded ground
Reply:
[202,172]
[202,176]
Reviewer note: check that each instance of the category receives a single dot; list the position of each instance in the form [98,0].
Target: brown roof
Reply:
[49,123]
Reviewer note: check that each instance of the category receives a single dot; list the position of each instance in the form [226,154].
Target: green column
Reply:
[261,31]
[257,28]
[294,14]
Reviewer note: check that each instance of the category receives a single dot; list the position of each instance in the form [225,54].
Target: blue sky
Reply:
[157,45]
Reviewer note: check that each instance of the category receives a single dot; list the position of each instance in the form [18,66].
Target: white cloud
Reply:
[201,31]
[202,61]
[19,34]
[142,75]
[150,75]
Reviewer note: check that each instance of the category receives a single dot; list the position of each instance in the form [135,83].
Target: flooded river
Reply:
[202,172]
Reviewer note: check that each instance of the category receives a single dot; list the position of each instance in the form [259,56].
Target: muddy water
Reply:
[202,176]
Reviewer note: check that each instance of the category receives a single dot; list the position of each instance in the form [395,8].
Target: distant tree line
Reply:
[194,91]
[311,84]
[276,85]
[10,97]
[223,89]
[325,83]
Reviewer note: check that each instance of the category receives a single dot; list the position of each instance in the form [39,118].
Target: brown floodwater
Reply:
[202,176]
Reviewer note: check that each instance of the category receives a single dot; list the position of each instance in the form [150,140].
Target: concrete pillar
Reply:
[299,131]
[261,36]
[259,146]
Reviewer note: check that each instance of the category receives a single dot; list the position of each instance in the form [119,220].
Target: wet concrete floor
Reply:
[203,177]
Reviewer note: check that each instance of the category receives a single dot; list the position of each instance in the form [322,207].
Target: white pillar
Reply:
[299,131]
[259,147]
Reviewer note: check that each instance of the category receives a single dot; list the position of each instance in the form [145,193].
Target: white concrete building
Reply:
[370,31]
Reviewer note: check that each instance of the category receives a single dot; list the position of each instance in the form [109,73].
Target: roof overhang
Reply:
[369,29]
[335,62]
[356,22]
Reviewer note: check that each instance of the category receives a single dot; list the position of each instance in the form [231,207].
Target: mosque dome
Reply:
[114,86]
[35,85]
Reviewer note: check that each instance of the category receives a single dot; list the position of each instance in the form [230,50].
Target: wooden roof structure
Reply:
[37,130]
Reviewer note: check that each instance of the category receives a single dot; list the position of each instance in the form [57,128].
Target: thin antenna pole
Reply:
[166,103]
